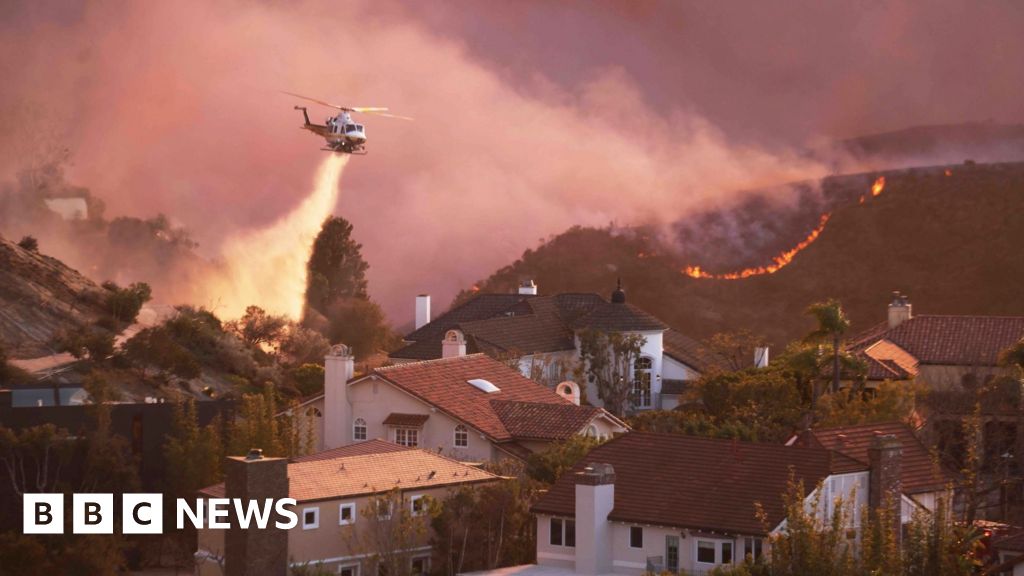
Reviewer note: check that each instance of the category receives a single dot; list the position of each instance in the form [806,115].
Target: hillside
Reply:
[952,242]
[38,296]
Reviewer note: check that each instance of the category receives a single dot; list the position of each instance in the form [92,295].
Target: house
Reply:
[540,335]
[469,407]
[942,352]
[346,499]
[923,479]
[647,502]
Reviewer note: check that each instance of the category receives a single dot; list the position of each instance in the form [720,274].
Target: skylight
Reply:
[484,385]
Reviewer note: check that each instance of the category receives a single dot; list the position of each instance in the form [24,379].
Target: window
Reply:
[591,431]
[563,532]
[346,514]
[407,437]
[642,382]
[705,551]
[461,436]
[310,518]
[752,548]
[350,570]
[350,127]
[382,508]
[420,565]
[672,553]
[359,429]
[636,537]
[417,504]
[556,532]
[726,552]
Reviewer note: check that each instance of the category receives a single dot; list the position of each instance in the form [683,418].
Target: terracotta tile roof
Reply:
[541,421]
[425,343]
[411,420]
[879,370]
[698,483]
[950,340]
[919,471]
[357,475]
[444,383]
[375,446]
[541,329]
[687,350]
[622,317]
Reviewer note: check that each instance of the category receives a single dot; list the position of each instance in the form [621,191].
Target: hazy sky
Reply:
[530,116]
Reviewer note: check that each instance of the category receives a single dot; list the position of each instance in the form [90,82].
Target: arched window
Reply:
[461,436]
[591,431]
[642,369]
[359,429]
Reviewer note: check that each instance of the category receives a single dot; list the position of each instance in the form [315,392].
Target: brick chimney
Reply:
[884,486]
[422,310]
[454,344]
[339,366]
[595,498]
[899,310]
[252,551]
[528,287]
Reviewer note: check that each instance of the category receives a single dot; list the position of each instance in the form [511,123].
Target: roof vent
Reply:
[484,385]
[254,454]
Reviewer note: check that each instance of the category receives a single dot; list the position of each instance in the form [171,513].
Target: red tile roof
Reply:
[541,421]
[698,483]
[919,470]
[444,384]
[950,340]
[371,473]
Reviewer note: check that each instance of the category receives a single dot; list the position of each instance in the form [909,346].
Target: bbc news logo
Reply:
[143,513]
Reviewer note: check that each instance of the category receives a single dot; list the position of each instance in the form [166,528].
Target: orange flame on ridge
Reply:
[878,186]
[778,262]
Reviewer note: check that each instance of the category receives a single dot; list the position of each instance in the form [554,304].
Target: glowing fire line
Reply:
[778,262]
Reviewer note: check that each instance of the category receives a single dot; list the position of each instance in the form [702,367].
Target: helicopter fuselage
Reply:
[340,132]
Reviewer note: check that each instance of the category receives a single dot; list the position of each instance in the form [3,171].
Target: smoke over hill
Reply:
[175,109]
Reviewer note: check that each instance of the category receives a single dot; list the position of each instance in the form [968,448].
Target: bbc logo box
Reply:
[93,514]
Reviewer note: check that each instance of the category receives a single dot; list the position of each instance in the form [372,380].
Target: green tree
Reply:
[832,325]
[86,342]
[29,243]
[257,327]
[607,360]
[336,268]
[548,464]
[309,379]
[302,345]
[191,451]
[360,324]
[154,347]
[260,424]
[391,532]
[123,304]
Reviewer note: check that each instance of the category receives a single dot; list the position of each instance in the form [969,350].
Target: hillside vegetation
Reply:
[953,242]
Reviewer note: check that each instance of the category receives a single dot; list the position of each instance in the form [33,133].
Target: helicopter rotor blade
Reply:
[381,112]
[321,102]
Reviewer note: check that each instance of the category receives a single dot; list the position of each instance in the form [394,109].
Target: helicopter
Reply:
[341,132]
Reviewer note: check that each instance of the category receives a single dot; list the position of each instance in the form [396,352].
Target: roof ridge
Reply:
[452,359]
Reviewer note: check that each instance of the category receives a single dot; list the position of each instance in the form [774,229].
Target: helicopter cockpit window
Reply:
[359,127]
[350,127]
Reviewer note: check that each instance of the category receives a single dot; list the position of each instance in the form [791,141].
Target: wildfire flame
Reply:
[268,267]
[878,186]
[778,262]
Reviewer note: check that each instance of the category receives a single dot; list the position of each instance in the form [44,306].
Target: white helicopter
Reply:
[341,132]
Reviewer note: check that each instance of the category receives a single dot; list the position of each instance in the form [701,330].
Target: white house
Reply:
[540,334]
[469,407]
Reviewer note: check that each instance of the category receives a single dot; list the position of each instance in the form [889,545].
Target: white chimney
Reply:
[595,498]
[528,287]
[454,344]
[422,310]
[339,367]
[569,390]
[899,310]
[761,357]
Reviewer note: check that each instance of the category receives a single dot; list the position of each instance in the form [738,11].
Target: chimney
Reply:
[339,366]
[899,310]
[528,288]
[761,357]
[595,498]
[569,390]
[422,310]
[884,485]
[254,477]
[454,344]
